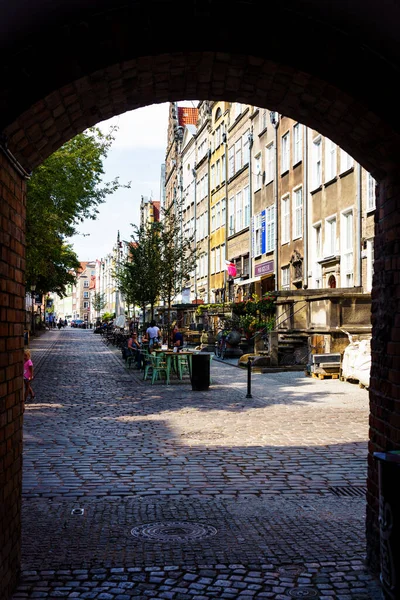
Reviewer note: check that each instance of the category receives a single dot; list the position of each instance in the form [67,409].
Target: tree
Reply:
[139,275]
[63,191]
[178,256]
[98,302]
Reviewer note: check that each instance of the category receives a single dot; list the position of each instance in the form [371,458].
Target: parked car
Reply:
[78,323]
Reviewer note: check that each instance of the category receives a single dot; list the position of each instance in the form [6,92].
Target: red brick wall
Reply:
[12,290]
[385,370]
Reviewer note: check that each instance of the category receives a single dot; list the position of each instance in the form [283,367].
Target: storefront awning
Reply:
[246,281]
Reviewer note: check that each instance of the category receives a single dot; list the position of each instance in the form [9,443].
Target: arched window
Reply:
[218,115]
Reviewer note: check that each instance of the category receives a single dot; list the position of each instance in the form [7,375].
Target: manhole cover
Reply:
[302,593]
[173,531]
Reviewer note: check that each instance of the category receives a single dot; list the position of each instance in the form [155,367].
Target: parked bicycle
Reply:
[221,344]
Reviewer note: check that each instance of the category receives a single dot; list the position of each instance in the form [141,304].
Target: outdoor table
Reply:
[169,356]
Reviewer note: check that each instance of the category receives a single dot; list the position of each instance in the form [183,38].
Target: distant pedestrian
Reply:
[153,334]
[28,375]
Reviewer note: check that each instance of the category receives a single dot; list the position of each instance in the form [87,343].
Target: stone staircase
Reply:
[292,348]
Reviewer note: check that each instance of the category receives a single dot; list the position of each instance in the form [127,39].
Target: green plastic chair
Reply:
[159,367]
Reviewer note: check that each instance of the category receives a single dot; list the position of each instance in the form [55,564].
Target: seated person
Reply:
[177,339]
[134,348]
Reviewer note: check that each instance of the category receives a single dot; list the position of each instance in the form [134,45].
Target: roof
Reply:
[187,115]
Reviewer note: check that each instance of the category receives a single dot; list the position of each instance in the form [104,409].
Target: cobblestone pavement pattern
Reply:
[133,490]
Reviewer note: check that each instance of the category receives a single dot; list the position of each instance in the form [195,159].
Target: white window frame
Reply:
[257,172]
[330,246]
[86,294]
[297,143]
[231,215]
[370,264]
[239,210]
[285,278]
[238,155]
[330,160]
[270,163]
[223,212]
[347,248]
[246,206]
[371,192]
[346,161]
[297,224]
[85,283]
[245,148]
[231,162]
[270,228]
[317,162]
[285,217]
[285,152]
[257,235]
[86,304]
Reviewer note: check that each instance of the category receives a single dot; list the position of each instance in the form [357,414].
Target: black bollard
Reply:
[248,395]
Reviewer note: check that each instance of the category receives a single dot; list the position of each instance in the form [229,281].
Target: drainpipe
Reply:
[274,117]
[250,137]
[194,173]
[305,204]
[209,226]
[225,140]
[358,281]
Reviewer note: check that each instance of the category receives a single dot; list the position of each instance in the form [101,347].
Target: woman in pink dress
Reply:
[28,374]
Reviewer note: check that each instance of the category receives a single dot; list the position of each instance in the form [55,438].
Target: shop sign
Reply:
[264,268]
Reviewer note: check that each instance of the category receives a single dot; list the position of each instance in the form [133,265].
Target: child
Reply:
[28,374]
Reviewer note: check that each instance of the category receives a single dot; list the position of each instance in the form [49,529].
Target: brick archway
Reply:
[66,70]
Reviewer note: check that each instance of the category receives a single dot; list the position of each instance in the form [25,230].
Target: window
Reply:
[330,236]
[231,216]
[212,177]
[217,259]
[370,264]
[213,218]
[346,161]
[86,305]
[330,160]
[218,137]
[297,143]
[86,294]
[223,168]
[218,172]
[239,211]
[246,148]
[257,250]
[270,228]
[223,212]
[285,231]
[218,216]
[237,109]
[371,186]
[85,283]
[285,148]
[257,175]
[297,213]
[317,246]
[212,265]
[347,235]
[316,163]
[263,120]
[238,155]
[231,162]
[246,206]
[222,262]
[285,278]
[270,163]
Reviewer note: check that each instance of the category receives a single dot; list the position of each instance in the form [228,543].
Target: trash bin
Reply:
[200,375]
[389,522]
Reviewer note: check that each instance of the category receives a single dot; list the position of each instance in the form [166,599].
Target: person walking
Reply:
[28,375]
[153,334]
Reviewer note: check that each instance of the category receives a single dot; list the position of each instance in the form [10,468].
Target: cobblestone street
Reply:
[133,490]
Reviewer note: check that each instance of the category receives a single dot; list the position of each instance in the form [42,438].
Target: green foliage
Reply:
[108,316]
[98,302]
[63,191]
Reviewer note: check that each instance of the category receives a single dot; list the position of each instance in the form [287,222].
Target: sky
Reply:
[136,156]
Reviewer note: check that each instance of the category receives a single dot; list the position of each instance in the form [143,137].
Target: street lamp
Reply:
[33,288]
